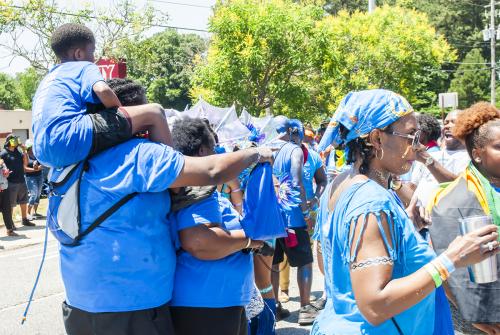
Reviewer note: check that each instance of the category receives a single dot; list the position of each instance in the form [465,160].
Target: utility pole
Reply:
[493,45]
[371,5]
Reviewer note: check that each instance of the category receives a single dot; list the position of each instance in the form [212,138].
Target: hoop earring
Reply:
[381,156]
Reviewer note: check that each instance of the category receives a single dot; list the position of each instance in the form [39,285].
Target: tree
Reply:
[164,63]
[471,83]
[460,22]
[393,48]
[10,97]
[27,83]
[258,57]
[41,17]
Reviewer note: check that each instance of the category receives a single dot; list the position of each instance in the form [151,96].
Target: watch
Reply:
[429,161]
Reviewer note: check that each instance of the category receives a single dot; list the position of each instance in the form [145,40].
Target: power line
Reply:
[181,4]
[468,63]
[125,21]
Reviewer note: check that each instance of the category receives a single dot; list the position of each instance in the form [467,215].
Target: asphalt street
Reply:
[19,261]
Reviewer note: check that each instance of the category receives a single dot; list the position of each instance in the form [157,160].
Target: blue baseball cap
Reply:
[281,124]
[296,127]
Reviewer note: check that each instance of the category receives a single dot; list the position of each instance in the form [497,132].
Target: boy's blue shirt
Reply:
[63,132]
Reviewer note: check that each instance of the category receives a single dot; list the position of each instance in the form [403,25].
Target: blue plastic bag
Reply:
[262,219]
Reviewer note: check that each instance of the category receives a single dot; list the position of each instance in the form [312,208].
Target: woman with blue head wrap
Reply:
[381,274]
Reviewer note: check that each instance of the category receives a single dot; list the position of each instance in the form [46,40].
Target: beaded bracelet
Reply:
[436,277]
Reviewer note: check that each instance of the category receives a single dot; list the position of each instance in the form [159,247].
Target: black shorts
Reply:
[18,193]
[299,255]
[208,321]
[112,126]
[153,321]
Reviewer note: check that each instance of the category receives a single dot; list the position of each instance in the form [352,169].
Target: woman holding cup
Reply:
[472,199]
[382,277]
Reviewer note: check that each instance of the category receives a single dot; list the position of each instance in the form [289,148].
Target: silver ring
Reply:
[490,245]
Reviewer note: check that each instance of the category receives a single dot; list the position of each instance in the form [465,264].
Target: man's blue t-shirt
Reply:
[312,164]
[128,262]
[62,129]
[217,283]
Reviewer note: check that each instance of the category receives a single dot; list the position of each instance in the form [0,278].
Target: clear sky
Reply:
[182,13]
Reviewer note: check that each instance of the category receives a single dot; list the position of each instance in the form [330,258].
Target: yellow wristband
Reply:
[429,267]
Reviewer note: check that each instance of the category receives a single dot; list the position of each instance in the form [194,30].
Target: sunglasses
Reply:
[415,138]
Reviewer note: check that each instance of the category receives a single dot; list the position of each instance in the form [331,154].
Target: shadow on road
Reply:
[13,238]
[292,331]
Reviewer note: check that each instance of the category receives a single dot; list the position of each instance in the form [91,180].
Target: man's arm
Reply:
[219,169]
[296,171]
[439,172]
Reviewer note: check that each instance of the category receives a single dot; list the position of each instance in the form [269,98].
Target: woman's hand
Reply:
[422,154]
[418,214]
[471,248]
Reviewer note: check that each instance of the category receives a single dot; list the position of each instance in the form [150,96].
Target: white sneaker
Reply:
[29,217]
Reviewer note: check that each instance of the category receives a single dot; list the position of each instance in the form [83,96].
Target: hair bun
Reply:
[474,117]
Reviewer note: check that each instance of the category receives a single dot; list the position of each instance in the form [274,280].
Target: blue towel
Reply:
[262,217]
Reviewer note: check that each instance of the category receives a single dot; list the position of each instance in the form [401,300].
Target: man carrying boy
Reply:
[65,129]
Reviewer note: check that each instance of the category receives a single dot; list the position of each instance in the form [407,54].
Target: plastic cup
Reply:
[485,271]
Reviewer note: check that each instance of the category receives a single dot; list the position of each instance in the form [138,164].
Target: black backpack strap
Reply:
[105,215]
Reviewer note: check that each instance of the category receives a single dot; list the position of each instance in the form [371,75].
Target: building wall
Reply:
[17,122]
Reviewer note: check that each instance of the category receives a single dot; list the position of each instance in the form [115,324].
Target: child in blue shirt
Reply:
[68,126]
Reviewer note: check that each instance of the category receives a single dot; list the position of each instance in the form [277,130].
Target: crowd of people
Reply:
[21,182]
[165,238]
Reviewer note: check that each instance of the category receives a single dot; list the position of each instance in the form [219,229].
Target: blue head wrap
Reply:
[361,112]
[297,126]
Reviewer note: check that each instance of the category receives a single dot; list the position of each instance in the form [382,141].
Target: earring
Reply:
[478,160]
[381,156]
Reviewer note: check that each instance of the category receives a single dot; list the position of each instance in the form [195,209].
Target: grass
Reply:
[42,209]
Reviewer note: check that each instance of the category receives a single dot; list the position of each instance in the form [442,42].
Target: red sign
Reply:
[111,68]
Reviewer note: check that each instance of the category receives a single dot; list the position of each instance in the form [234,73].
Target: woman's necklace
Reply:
[379,177]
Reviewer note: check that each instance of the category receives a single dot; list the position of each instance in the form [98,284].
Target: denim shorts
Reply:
[34,184]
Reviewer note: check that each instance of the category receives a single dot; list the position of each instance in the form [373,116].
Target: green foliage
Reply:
[40,18]
[18,92]
[289,58]
[27,83]
[10,96]
[258,57]
[163,63]
[471,84]
[335,6]
[460,22]
[392,48]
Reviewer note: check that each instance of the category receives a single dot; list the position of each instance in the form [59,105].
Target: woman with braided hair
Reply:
[381,275]
[475,307]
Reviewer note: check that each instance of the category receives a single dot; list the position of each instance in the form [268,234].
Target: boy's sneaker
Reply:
[281,313]
[307,314]
[28,223]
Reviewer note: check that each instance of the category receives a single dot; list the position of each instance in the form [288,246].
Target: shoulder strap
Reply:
[106,215]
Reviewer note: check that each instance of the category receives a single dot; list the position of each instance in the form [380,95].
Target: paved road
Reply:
[19,261]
